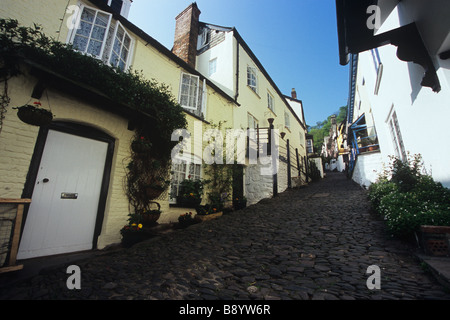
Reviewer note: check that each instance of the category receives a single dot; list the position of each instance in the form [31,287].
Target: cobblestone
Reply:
[311,243]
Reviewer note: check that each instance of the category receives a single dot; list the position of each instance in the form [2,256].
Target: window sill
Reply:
[252,90]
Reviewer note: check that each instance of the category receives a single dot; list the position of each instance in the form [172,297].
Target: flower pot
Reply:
[188,202]
[34,116]
[239,204]
[131,238]
[150,219]
[207,217]
[436,240]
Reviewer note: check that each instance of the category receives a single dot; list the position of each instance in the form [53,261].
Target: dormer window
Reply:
[121,7]
[91,35]
[102,38]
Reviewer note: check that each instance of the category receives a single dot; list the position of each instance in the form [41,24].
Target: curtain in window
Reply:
[90,37]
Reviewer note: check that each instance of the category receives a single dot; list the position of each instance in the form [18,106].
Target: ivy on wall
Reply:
[161,112]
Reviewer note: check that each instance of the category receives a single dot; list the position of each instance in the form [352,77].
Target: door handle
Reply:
[45,180]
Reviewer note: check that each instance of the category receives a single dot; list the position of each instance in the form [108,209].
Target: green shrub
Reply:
[379,190]
[410,198]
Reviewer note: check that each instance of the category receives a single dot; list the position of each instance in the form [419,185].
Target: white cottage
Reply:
[399,53]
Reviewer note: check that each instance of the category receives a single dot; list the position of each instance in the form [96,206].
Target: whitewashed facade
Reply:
[408,111]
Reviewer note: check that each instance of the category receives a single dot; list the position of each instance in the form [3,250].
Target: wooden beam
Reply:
[14,201]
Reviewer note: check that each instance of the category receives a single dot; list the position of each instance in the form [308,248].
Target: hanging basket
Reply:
[153,192]
[34,116]
[140,147]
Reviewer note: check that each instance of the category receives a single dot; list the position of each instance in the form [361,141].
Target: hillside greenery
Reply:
[322,129]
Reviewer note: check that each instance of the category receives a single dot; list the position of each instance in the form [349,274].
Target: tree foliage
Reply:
[322,129]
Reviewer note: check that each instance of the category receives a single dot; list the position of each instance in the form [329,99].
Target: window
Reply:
[204,37]
[396,135]
[252,122]
[378,68]
[270,104]
[376,58]
[121,48]
[98,36]
[181,171]
[189,93]
[193,94]
[309,146]
[287,121]
[252,79]
[90,36]
[212,66]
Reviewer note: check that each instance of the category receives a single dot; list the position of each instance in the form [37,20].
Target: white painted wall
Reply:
[225,53]
[423,115]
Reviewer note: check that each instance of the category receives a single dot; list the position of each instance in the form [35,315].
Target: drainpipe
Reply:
[237,71]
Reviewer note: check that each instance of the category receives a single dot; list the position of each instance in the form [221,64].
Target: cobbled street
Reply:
[313,243]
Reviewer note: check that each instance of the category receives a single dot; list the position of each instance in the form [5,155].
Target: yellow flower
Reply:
[133,225]
[191,194]
[140,225]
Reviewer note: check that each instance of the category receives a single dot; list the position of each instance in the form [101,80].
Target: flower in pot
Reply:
[190,194]
[34,115]
[239,203]
[141,145]
[185,220]
[132,234]
[150,217]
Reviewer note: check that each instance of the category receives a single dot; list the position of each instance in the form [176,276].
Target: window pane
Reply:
[88,15]
[85,29]
[127,42]
[94,48]
[80,43]
[102,19]
[98,33]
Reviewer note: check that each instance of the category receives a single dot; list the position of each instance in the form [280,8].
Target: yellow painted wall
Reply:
[17,141]
[257,105]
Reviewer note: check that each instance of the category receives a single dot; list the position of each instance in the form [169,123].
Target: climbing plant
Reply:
[161,113]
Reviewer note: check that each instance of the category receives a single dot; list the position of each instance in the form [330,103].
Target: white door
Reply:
[63,211]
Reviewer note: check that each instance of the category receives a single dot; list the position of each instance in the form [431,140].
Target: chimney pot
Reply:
[294,93]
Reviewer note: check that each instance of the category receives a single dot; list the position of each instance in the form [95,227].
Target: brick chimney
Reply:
[186,34]
[294,93]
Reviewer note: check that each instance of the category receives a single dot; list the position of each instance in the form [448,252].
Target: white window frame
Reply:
[74,31]
[130,50]
[254,121]
[212,66]
[204,37]
[270,102]
[287,120]
[183,74]
[252,76]
[396,135]
[187,160]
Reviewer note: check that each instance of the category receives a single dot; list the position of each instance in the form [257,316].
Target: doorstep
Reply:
[439,266]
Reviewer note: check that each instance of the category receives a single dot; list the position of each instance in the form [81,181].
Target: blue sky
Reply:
[295,40]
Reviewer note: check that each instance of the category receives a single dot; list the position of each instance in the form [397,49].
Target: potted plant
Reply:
[208,212]
[185,220]
[190,194]
[132,232]
[239,203]
[150,217]
[34,115]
